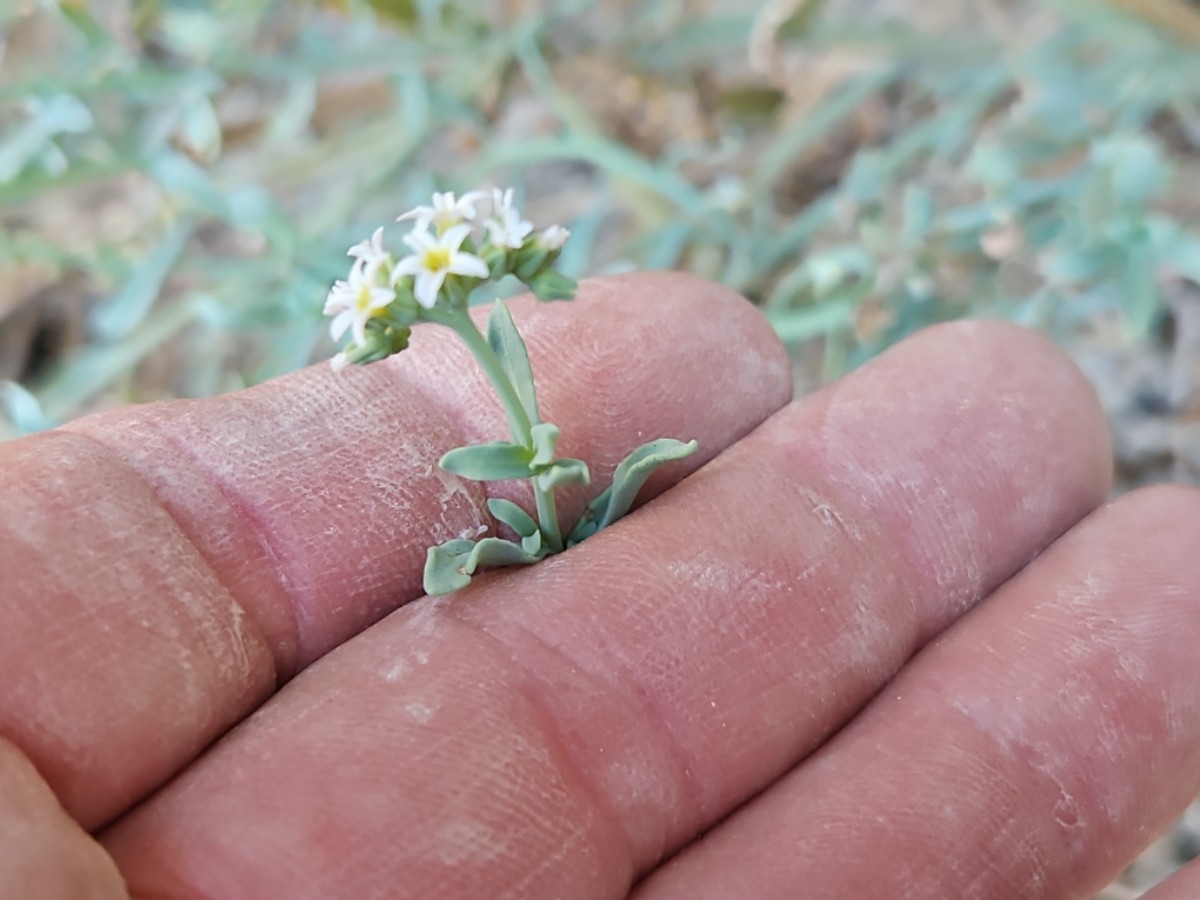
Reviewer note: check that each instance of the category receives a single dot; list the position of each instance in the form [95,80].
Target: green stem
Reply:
[547,511]
[519,423]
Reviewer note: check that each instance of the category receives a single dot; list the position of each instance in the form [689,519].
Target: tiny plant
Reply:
[453,251]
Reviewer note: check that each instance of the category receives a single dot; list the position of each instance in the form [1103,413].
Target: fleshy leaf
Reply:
[499,552]
[445,567]
[562,472]
[489,462]
[588,524]
[513,516]
[532,543]
[628,479]
[505,340]
[545,443]
[449,568]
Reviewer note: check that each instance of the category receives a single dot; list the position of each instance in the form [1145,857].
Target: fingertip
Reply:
[45,852]
[1025,367]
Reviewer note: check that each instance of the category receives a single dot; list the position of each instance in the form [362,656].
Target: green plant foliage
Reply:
[628,479]
[1050,180]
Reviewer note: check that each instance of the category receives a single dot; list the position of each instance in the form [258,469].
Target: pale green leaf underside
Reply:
[628,480]
[449,568]
[497,461]
[513,516]
[505,340]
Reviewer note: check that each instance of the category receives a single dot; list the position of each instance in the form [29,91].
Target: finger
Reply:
[43,851]
[1183,885]
[1031,752]
[555,733]
[163,564]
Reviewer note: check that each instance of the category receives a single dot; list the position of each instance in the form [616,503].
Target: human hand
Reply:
[742,657]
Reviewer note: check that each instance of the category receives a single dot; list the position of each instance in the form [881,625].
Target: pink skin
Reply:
[742,658]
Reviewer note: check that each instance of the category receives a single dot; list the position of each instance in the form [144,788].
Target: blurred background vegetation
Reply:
[179,180]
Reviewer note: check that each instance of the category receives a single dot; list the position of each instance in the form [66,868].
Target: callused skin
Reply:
[217,659]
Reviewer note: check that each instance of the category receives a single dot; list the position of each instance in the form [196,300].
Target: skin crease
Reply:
[823,650]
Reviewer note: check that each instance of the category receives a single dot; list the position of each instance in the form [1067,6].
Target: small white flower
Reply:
[355,302]
[554,237]
[436,257]
[505,226]
[446,212]
[370,253]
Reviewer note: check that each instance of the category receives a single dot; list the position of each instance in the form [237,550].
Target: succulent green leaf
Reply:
[505,340]
[445,567]
[449,568]
[489,462]
[532,543]
[499,552]
[563,472]
[628,480]
[513,516]
[589,523]
[545,443]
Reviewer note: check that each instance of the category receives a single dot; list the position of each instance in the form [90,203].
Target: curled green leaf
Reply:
[563,472]
[449,568]
[445,567]
[545,444]
[533,544]
[513,516]
[494,551]
[628,479]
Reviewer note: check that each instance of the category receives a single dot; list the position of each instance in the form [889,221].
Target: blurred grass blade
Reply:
[23,409]
[123,311]
[30,141]
[94,370]
[797,325]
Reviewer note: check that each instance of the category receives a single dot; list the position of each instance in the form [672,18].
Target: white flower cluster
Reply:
[453,249]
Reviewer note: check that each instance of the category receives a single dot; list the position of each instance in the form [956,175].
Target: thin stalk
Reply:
[547,511]
[519,424]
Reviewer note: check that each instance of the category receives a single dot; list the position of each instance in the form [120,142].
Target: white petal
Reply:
[554,237]
[339,325]
[340,297]
[427,288]
[502,200]
[410,265]
[420,240]
[468,264]
[339,362]
[360,328]
[381,297]
[369,248]
[467,204]
[453,239]
[421,212]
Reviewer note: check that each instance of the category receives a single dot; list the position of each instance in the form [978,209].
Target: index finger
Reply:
[166,565]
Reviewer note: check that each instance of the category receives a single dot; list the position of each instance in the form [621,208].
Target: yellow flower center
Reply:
[437,259]
[362,301]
